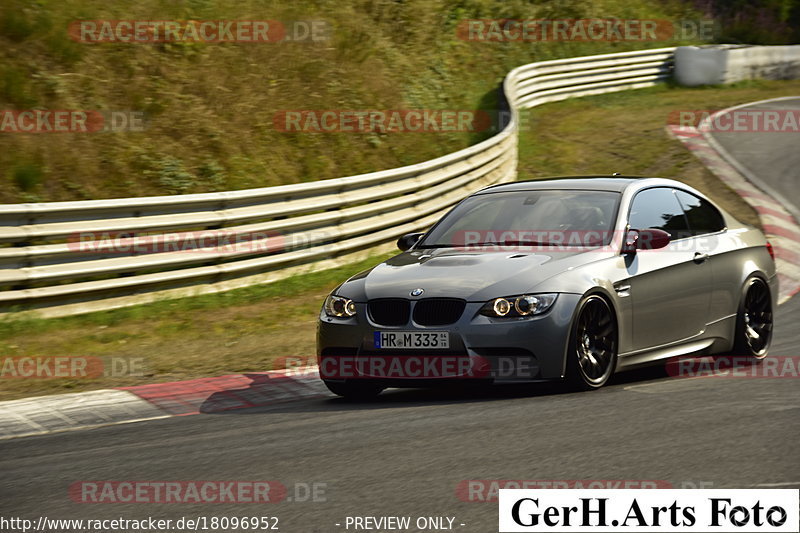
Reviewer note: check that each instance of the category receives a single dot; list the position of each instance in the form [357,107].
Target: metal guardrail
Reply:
[270,233]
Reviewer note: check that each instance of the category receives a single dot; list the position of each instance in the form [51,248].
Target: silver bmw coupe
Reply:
[568,279]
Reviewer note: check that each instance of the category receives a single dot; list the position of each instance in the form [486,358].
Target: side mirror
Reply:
[645,239]
[408,240]
[629,244]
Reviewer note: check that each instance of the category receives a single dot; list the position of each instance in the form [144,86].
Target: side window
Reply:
[702,216]
[659,209]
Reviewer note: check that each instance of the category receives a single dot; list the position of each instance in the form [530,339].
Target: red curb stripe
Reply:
[786,254]
[780,231]
[759,195]
[775,213]
[223,393]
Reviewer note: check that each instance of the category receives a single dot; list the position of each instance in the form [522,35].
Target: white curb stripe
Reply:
[788,269]
[83,410]
[63,412]
[781,223]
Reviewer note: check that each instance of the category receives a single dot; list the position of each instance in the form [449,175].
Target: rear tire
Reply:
[354,391]
[754,320]
[592,349]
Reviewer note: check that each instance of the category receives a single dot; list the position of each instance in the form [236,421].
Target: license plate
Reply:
[412,340]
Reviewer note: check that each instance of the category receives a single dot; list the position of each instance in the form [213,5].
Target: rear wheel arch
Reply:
[748,274]
[760,316]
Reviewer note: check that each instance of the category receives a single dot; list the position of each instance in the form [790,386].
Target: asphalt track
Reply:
[405,454]
[773,157]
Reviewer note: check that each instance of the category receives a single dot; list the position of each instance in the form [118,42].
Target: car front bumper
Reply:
[516,349]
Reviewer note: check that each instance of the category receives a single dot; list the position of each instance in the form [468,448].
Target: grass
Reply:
[247,329]
[209,107]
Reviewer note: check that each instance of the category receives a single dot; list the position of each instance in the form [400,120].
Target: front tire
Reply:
[592,349]
[754,320]
[354,391]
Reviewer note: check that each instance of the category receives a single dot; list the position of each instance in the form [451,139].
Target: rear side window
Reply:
[702,216]
[659,209]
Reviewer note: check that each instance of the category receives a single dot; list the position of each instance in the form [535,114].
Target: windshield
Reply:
[528,218]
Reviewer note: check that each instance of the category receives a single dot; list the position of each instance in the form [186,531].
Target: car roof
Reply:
[592,183]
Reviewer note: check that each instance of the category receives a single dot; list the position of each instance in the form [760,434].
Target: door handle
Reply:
[700,257]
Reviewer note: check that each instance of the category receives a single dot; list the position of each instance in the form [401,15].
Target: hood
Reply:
[470,275]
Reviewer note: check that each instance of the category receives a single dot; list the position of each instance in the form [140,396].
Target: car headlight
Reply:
[339,307]
[516,306]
